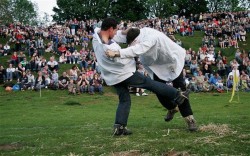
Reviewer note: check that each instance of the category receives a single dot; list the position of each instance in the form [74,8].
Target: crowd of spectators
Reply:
[70,43]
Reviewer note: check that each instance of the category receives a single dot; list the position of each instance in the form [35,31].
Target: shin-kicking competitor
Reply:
[121,73]
[164,61]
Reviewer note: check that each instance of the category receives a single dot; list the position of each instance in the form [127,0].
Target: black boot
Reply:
[121,130]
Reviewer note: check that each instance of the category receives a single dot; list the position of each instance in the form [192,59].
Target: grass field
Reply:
[60,124]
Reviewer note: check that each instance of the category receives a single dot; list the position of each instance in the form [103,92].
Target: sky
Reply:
[45,6]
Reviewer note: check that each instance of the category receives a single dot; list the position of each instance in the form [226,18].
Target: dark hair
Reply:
[108,23]
[132,34]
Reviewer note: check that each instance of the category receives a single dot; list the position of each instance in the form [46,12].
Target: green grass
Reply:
[59,124]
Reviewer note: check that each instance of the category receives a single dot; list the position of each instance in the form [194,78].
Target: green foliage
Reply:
[187,7]
[18,11]
[228,5]
[5,12]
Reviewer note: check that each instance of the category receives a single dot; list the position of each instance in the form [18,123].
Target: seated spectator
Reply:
[63,81]
[31,79]
[210,56]
[52,64]
[54,80]
[45,70]
[25,64]
[206,86]
[49,47]
[23,81]
[68,56]
[182,31]
[234,72]
[230,82]
[194,68]
[193,85]
[243,35]
[62,49]
[234,43]
[39,81]
[6,49]
[62,59]
[221,68]
[188,58]
[19,70]
[31,50]
[75,56]
[14,59]
[20,56]
[10,72]
[72,87]
[221,42]
[238,56]
[96,84]
[73,72]
[41,62]
[2,74]
[82,84]
[216,81]
[1,50]
[245,81]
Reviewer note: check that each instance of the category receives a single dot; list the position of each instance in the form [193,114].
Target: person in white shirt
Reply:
[10,72]
[164,61]
[121,73]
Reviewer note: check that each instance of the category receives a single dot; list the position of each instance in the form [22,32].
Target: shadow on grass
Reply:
[72,103]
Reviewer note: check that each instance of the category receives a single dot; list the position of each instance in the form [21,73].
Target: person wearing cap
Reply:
[121,73]
[164,61]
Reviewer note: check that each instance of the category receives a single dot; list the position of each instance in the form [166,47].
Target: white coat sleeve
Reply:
[138,49]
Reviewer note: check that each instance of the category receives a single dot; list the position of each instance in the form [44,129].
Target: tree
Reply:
[187,7]
[5,13]
[161,8]
[227,5]
[18,10]
[128,10]
[98,9]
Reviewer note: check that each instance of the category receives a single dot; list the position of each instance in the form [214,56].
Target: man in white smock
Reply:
[121,73]
[164,61]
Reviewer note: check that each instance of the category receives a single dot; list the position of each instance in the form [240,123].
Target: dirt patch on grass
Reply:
[221,130]
[5,147]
